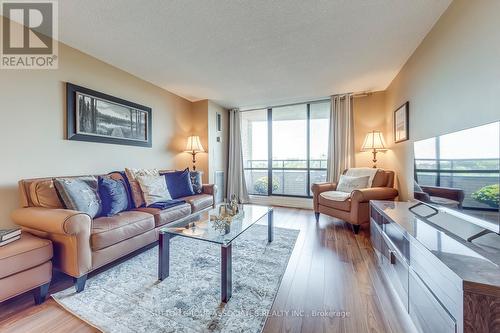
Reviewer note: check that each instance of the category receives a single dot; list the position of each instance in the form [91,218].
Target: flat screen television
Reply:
[460,172]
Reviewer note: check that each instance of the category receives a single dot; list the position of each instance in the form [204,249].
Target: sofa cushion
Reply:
[196,181]
[43,194]
[135,188]
[113,194]
[107,231]
[168,215]
[179,184]
[154,189]
[80,194]
[23,254]
[341,205]
[199,201]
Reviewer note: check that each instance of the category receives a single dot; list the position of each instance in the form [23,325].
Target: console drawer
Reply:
[396,269]
[398,239]
[376,238]
[445,284]
[427,313]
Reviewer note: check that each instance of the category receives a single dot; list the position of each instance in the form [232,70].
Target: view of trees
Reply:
[489,195]
[103,118]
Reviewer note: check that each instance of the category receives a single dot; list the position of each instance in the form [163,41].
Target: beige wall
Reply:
[369,115]
[452,81]
[218,150]
[33,125]
[204,124]
[199,127]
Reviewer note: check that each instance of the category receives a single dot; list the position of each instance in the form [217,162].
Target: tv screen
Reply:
[461,171]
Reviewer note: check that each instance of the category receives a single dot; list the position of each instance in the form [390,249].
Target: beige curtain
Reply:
[236,175]
[341,137]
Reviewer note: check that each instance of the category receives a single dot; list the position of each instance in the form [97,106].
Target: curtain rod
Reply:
[354,95]
[291,104]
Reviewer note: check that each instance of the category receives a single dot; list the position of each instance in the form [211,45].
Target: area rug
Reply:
[129,298]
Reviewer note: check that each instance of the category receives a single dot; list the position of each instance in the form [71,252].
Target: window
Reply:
[288,144]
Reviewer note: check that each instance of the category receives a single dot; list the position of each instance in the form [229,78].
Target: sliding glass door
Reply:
[288,144]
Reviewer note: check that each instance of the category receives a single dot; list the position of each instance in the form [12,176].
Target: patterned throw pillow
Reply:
[80,194]
[113,194]
[349,183]
[154,189]
[135,188]
[196,181]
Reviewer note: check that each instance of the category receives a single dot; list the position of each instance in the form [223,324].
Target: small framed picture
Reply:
[219,122]
[401,126]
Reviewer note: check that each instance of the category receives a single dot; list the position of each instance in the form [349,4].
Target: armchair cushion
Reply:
[334,195]
[350,183]
[344,205]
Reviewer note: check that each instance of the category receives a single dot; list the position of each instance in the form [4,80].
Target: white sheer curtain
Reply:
[236,175]
[341,137]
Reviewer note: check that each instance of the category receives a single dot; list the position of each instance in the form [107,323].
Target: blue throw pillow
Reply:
[80,194]
[179,184]
[196,181]
[114,198]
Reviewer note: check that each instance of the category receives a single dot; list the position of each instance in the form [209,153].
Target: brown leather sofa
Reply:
[82,244]
[355,209]
[25,265]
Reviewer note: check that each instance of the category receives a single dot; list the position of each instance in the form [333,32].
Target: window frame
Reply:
[270,167]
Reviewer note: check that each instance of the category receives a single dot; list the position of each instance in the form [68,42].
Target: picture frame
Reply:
[401,129]
[218,120]
[97,117]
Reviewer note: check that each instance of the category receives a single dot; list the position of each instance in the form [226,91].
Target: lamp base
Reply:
[374,152]
[194,160]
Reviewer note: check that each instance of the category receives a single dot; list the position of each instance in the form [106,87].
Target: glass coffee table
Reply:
[200,227]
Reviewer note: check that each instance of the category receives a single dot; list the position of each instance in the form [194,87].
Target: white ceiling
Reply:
[254,52]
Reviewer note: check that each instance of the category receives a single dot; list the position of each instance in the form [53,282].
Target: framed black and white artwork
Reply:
[401,125]
[96,117]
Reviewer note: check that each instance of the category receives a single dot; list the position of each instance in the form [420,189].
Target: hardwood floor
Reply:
[331,284]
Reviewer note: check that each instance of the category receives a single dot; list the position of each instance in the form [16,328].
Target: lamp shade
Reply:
[374,140]
[194,144]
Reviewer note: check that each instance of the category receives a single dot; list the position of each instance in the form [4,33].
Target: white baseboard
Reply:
[293,202]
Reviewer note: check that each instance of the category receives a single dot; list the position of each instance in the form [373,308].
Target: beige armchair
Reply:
[355,209]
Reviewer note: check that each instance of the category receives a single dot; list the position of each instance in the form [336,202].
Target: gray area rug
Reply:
[129,298]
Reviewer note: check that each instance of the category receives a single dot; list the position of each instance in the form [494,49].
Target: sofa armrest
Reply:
[210,189]
[56,221]
[318,188]
[374,193]
[69,232]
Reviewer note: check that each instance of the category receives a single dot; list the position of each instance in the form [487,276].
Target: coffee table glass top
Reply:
[199,226]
